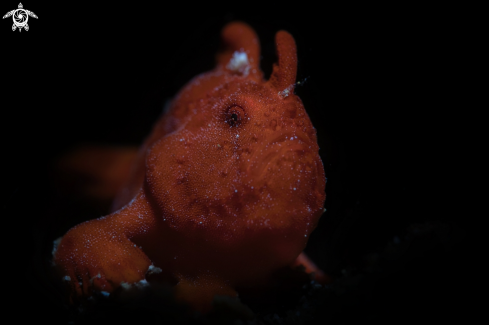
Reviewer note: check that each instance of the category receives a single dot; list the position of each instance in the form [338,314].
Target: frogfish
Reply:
[224,191]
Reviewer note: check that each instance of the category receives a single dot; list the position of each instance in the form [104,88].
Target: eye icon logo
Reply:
[20,17]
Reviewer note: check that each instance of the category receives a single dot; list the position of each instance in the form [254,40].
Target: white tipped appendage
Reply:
[239,63]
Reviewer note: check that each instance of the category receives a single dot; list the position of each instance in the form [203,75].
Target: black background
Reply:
[374,91]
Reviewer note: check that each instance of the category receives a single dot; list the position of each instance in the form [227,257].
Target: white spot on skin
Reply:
[239,63]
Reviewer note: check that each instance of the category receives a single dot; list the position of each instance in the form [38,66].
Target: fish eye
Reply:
[234,115]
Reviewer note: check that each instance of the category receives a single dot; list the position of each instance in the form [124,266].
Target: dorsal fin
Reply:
[239,38]
[285,70]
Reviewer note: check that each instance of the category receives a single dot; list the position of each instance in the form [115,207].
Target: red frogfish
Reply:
[225,190]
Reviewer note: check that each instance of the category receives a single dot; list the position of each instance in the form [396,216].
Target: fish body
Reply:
[225,190]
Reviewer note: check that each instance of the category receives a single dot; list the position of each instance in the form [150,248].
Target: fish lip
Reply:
[288,137]
[280,146]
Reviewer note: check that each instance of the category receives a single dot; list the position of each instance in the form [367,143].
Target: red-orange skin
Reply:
[226,189]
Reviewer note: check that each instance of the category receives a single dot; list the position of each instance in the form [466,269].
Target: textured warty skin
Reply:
[225,190]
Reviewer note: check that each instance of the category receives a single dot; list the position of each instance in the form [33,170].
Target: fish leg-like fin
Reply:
[13,27]
[99,255]
[26,27]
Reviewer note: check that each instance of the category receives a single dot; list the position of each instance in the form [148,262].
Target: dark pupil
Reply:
[234,117]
